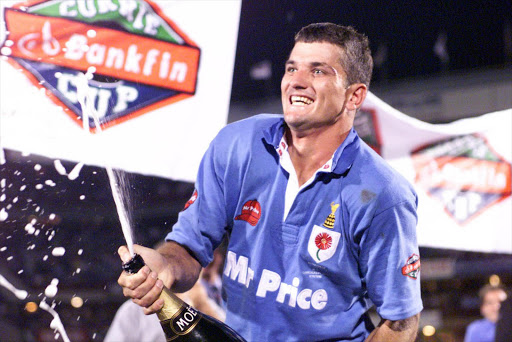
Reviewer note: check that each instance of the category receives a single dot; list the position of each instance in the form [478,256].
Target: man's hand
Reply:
[170,265]
[404,330]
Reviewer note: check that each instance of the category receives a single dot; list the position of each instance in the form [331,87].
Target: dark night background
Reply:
[402,35]
[479,35]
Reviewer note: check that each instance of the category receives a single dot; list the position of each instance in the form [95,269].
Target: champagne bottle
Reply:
[180,321]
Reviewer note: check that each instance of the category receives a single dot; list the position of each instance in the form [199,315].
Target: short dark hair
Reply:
[357,58]
[490,288]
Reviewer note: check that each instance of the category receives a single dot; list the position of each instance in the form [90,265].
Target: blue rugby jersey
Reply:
[348,242]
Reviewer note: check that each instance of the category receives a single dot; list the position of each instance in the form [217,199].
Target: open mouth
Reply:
[300,100]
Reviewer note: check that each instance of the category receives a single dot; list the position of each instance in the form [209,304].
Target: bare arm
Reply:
[198,298]
[404,330]
[170,265]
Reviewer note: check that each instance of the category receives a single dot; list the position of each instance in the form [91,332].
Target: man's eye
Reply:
[290,69]
[318,72]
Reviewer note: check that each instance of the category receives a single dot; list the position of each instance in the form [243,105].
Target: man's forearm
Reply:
[184,267]
[404,330]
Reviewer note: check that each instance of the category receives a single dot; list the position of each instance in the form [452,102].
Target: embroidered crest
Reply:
[322,243]
[329,221]
[412,267]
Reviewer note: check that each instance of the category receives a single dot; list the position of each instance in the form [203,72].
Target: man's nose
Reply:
[300,79]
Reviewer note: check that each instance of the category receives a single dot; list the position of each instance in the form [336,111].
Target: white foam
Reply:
[30,228]
[20,294]
[76,171]
[58,251]
[49,182]
[56,323]
[51,290]
[59,167]
[3,215]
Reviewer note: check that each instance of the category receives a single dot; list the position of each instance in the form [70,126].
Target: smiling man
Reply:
[320,227]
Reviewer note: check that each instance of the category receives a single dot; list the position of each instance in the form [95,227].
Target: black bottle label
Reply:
[183,322]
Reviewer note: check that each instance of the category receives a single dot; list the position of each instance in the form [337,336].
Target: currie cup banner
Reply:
[140,85]
[461,172]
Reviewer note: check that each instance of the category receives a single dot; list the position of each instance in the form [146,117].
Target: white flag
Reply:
[157,75]
[461,171]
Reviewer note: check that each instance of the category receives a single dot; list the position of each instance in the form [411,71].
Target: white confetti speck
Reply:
[3,215]
[49,182]
[30,228]
[58,251]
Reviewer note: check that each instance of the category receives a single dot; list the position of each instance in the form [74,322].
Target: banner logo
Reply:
[464,173]
[140,59]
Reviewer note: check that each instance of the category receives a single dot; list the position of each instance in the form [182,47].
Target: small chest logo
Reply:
[251,212]
[329,221]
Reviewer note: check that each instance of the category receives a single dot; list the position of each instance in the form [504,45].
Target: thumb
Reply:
[124,254]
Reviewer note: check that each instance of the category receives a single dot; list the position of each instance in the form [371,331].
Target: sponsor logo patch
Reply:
[191,200]
[251,212]
[140,60]
[412,267]
[464,174]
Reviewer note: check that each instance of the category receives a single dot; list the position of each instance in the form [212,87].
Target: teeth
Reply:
[301,100]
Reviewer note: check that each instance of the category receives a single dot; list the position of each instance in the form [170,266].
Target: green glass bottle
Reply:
[180,321]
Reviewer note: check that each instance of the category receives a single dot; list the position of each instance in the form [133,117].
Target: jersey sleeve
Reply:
[202,224]
[389,259]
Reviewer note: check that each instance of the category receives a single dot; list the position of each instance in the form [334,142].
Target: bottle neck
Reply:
[172,305]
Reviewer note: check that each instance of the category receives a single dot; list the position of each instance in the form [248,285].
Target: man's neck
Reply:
[309,152]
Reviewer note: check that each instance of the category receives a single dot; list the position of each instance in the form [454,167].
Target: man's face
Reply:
[313,86]
[491,304]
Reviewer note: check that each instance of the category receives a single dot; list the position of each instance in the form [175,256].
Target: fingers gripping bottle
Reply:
[180,321]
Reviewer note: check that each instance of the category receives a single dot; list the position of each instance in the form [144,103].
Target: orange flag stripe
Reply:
[465,174]
[113,53]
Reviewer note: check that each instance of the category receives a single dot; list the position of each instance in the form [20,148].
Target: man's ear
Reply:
[356,93]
